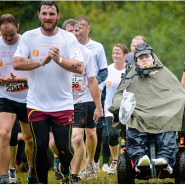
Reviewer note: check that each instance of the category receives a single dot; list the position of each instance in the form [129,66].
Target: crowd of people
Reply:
[55,82]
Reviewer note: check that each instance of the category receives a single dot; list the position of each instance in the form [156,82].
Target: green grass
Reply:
[103,178]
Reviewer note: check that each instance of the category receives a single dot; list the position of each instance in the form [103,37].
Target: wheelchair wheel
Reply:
[124,170]
[179,168]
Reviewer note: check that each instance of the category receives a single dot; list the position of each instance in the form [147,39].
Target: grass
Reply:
[103,178]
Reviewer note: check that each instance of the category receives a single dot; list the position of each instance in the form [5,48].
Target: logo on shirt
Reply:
[108,83]
[1,63]
[35,53]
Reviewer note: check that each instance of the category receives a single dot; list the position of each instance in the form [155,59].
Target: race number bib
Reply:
[77,82]
[16,87]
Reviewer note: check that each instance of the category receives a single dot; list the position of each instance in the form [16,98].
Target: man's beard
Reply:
[48,27]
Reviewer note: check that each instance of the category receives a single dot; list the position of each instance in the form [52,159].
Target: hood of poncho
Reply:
[160,100]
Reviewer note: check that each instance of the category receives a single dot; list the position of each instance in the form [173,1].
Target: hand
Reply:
[9,79]
[55,54]
[47,59]
[98,113]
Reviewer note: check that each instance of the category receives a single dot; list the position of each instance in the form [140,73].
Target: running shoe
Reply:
[91,172]
[105,167]
[163,161]
[76,180]
[112,169]
[58,175]
[96,166]
[68,179]
[143,161]
[32,180]
[24,168]
[82,174]
[12,176]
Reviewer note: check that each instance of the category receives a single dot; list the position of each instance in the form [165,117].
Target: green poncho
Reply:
[160,101]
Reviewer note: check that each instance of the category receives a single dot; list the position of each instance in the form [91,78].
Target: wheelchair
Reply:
[126,173]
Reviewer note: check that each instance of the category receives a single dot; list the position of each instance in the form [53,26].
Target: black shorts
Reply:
[81,116]
[90,113]
[19,109]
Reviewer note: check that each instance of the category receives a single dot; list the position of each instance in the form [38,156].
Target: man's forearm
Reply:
[95,91]
[25,64]
[22,79]
[72,65]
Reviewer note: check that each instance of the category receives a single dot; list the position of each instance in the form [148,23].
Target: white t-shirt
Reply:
[50,87]
[112,81]
[100,60]
[79,80]
[14,91]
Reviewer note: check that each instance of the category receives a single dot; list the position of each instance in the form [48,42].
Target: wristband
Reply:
[41,63]
[60,61]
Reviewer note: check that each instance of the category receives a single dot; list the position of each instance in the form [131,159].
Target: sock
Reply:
[56,161]
[114,160]
[4,178]
[32,173]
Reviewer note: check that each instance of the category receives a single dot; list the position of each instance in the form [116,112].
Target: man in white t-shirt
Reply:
[13,93]
[80,102]
[135,41]
[101,74]
[50,54]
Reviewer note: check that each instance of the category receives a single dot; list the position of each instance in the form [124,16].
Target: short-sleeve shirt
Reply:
[12,91]
[100,60]
[112,81]
[130,59]
[50,87]
[80,90]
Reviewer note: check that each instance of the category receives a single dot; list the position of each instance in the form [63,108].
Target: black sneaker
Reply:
[24,169]
[31,180]
[76,180]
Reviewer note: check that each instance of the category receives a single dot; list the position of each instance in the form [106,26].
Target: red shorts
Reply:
[62,117]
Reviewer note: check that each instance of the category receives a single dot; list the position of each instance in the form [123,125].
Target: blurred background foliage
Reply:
[160,22]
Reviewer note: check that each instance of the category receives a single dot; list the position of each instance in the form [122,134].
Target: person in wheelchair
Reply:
[159,111]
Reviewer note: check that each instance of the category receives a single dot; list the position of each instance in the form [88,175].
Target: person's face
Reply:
[84,30]
[73,29]
[145,60]
[48,17]
[134,44]
[117,55]
[9,33]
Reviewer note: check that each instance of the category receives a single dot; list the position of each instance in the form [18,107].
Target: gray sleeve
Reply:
[102,75]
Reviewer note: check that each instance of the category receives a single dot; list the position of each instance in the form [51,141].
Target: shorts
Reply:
[61,117]
[81,116]
[90,113]
[17,108]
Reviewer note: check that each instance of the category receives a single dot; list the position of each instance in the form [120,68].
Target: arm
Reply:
[102,75]
[95,93]
[183,80]
[68,64]
[25,64]
[12,79]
